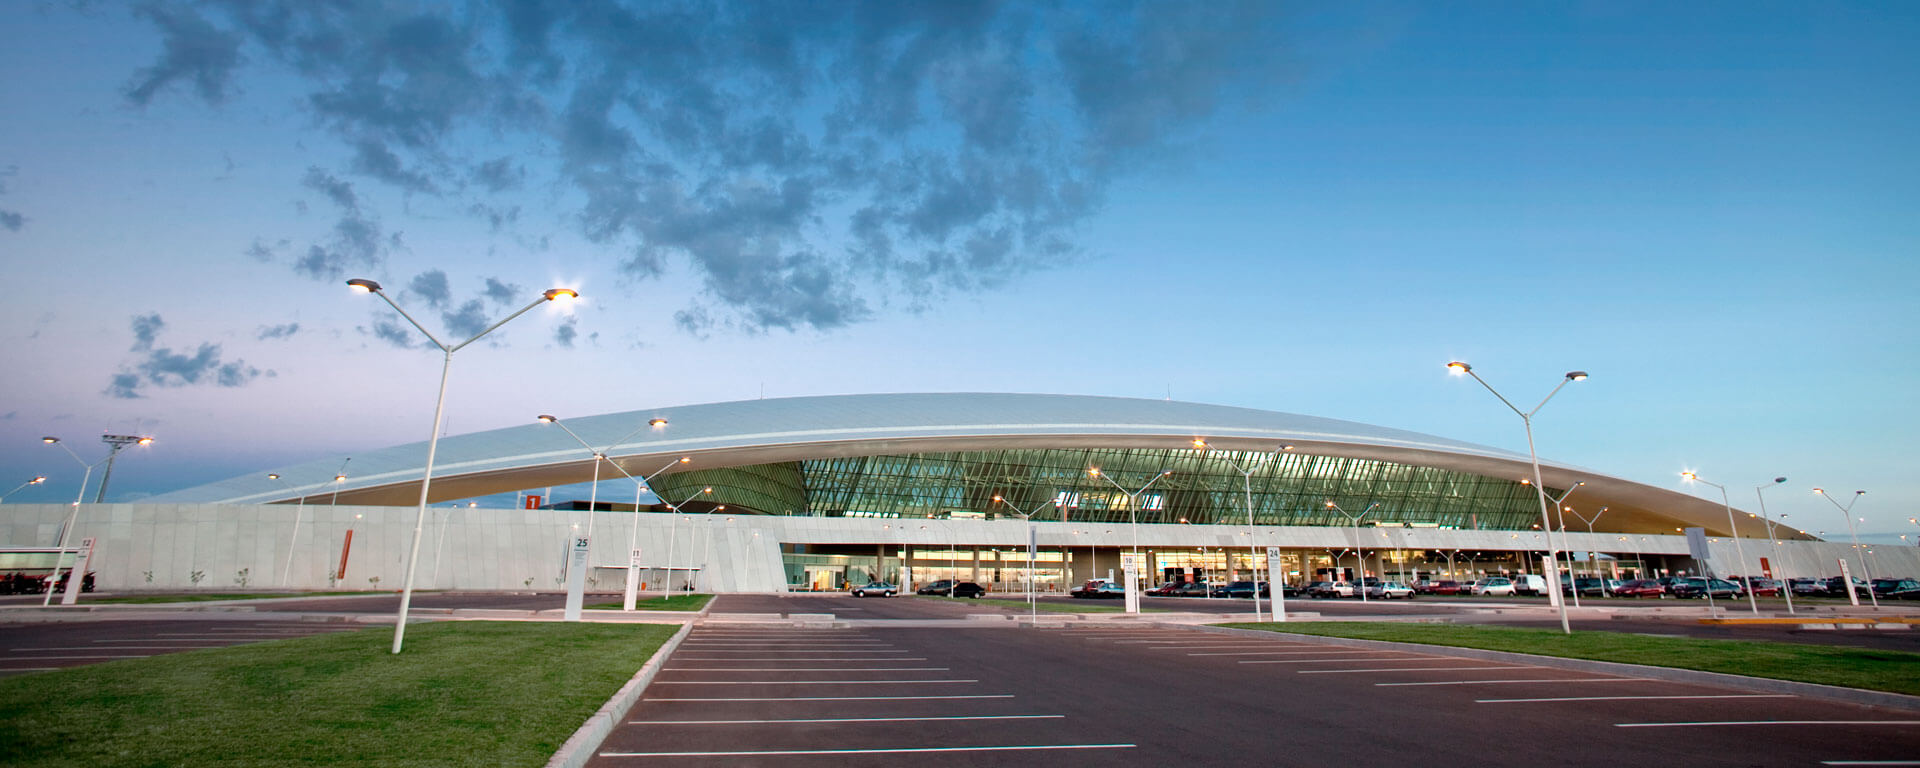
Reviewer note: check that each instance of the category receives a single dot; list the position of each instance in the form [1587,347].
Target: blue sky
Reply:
[1308,208]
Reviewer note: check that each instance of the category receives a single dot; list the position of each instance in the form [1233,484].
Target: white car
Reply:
[1389,591]
[876,589]
[1495,585]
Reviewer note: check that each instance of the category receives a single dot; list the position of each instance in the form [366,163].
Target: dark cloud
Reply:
[281,331]
[566,332]
[501,293]
[193,52]
[163,367]
[469,319]
[808,162]
[392,332]
[12,220]
[432,286]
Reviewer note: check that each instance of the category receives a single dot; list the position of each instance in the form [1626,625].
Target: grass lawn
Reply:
[463,693]
[1090,606]
[201,598]
[1894,671]
[677,602]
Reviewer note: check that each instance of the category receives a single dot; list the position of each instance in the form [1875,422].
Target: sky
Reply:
[1307,208]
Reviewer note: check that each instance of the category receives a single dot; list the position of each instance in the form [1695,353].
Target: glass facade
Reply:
[1201,487]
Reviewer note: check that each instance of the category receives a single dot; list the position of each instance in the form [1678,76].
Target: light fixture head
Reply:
[273,476]
[1689,476]
[49,440]
[997,499]
[708,489]
[686,459]
[656,422]
[1199,443]
[1820,491]
[1779,480]
[339,478]
[38,480]
[1576,375]
[546,419]
[1287,447]
[363,286]
[144,441]
[1093,471]
[1459,367]
[561,294]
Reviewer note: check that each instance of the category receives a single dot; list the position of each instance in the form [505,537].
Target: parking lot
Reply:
[1150,695]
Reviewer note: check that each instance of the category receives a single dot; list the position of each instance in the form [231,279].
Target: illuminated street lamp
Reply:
[1847,512]
[439,409]
[1358,555]
[287,573]
[73,516]
[1786,584]
[593,498]
[1540,488]
[673,534]
[35,481]
[115,444]
[1027,515]
[1733,532]
[1253,553]
[1133,513]
[1593,564]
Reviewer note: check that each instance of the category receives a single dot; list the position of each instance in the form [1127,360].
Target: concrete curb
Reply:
[1868,698]
[579,748]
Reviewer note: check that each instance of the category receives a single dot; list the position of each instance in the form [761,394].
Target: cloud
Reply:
[810,164]
[281,331]
[501,293]
[432,286]
[565,332]
[392,332]
[11,220]
[163,367]
[466,321]
[193,51]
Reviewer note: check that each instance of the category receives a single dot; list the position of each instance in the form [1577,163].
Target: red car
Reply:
[1639,588]
[1442,588]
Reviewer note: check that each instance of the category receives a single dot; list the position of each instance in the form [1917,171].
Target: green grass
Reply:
[677,602]
[1115,606]
[200,598]
[463,693]
[1849,667]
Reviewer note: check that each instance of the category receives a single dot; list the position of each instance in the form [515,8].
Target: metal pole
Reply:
[1773,536]
[73,518]
[420,519]
[1858,553]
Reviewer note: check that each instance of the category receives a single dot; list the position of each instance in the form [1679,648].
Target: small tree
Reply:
[196,576]
[528,582]
[240,578]
[374,580]
[333,578]
[149,575]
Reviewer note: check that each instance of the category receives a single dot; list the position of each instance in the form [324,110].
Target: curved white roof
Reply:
[787,429]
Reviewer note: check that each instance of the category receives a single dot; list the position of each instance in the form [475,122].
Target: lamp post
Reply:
[73,517]
[673,535]
[1358,555]
[1133,514]
[116,443]
[1847,512]
[439,409]
[1593,564]
[1253,551]
[38,479]
[600,455]
[1733,532]
[1558,503]
[1033,609]
[1540,488]
[286,573]
[706,554]
[1773,536]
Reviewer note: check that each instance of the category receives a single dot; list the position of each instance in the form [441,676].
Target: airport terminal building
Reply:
[810,493]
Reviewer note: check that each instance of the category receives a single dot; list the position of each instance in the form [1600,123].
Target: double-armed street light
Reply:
[286,572]
[1773,536]
[1540,488]
[1027,515]
[673,534]
[1733,532]
[1847,512]
[593,497]
[1253,553]
[1133,513]
[439,409]
[115,444]
[1359,555]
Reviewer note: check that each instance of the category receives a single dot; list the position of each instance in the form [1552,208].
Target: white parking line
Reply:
[904,750]
[1283,653]
[810,658]
[1541,680]
[1767,722]
[1398,669]
[807,682]
[1343,659]
[794,650]
[838,698]
[1870,762]
[1640,698]
[805,669]
[843,720]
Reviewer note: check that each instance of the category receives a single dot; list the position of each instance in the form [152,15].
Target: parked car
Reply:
[1896,589]
[875,589]
[935,587]
[1837,586]
[1495,585]
[1289,590]
[1529,584]
[1088,589]
[1589,586]
[967,589]
[1808,587]
[1324,589]
[1244,589]
[1163,589]
[1390,590]
[1699,587]
[1761,587]
[1189,589]
[1099,589]
[1442,587]
[1640,588]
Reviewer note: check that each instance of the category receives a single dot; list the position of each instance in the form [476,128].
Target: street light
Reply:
[1786,584]
[1733,532]
[1540,488]
[73,516]
[593,497]
[35,481]
[115,444]
[1558,503]
[1033,609]
[286,573]
[1253,552]
[1593,564]
[439,409]
[1847,512]
[1357,555]
[1133,513]
[673,533]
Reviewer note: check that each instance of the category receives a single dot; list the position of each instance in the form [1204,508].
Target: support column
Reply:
[976,565]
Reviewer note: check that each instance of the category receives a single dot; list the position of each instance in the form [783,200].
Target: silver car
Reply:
[875,589]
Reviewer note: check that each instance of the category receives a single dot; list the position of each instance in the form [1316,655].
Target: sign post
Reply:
[1130,571]
[1846,577]
[77,575]
[1276,584]
[576,578]
[633,581]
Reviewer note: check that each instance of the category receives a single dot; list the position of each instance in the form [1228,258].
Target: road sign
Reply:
[576,578]
[1697,544]
[633,581]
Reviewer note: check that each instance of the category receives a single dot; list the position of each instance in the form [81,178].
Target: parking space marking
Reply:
[841,698]
[1641,698]
[1870,762]
[1398,669]
[816,658]
[795,650]
[1411,656]
[844,720]
[808,682]
[1505,682]
[897,751]
[1766,722]
[1282,653]
[806,669]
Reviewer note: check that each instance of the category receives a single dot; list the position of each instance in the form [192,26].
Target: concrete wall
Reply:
[466,548]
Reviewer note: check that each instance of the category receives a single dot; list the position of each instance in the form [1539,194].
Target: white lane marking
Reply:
[805,669]
[1870,762]
[1283,653]
[1398,669]
[132,648]
[840,698]
[783,650]
[807,658]
[1343,659]
[843,720]
[806,682]
[1640,698]
[1767,722]
[903,750]
[1541,680]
